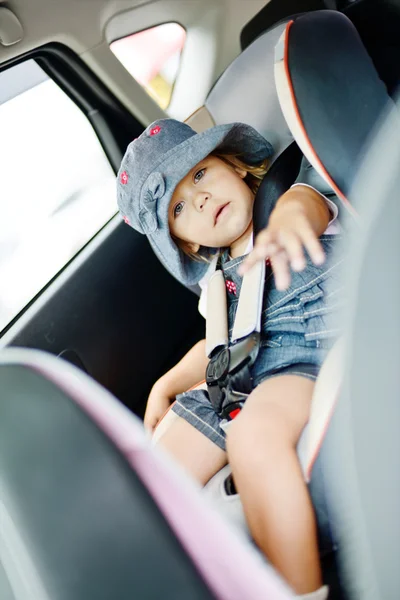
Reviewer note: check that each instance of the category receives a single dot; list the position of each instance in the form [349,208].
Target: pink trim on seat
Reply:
[228,564]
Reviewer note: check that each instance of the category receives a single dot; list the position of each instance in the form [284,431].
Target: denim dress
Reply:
[298,327]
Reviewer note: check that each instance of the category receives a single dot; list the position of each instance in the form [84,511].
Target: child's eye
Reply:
[178,209]
[199,175]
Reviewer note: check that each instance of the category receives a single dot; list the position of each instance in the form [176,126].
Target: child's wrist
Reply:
[289,205]
[304,201]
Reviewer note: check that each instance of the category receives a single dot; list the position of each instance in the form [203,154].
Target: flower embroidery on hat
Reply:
[124,178]
[126,220]
[155,130]
[231,286]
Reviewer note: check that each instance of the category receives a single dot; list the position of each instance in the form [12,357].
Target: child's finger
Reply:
[264,237]
[294,248]
[259,252]
[281,270]
[312,245]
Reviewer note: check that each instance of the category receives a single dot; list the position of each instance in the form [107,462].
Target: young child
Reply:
[192,195]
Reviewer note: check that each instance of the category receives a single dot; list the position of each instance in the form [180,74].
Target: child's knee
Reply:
[267,429]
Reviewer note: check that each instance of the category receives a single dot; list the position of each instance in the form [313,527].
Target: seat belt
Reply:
[228,375]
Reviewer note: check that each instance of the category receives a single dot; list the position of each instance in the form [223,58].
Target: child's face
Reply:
[212,206]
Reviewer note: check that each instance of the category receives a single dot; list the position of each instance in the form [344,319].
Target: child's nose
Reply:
[201,200]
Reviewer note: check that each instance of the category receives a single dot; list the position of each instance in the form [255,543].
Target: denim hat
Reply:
[153,166]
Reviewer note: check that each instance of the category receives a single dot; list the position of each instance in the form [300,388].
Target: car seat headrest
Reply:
[246,93]
[330,94]
[276,11]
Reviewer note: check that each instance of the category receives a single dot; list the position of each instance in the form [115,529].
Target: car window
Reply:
[152,57]
[57,187]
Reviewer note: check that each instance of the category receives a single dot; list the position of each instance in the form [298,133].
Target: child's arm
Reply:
[190,370]
[300,216]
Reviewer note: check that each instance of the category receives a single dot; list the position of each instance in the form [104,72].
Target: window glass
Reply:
[57,188]
[152,57]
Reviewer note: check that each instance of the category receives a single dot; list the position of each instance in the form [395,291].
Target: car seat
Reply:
[246,92]
[329,27]
[89,510]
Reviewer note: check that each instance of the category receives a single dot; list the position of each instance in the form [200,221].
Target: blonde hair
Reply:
[253,178]
[255,173]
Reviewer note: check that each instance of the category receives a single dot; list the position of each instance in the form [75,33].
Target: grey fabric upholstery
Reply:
[246,92]
[6,592]
[362,449]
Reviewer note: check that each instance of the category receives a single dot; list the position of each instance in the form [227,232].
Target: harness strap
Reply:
[248,314]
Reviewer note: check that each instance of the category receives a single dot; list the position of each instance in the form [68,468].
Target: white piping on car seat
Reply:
[325,395]
[287,101]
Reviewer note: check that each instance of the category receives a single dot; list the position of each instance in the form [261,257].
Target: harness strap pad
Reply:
[248,315]
[217,313]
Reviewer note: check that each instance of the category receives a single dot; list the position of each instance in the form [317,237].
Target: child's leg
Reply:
[261,445]
[195,452]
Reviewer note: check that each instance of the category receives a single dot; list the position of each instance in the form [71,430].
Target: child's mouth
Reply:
[221,211]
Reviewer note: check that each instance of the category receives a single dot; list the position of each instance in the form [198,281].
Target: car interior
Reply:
[84,341]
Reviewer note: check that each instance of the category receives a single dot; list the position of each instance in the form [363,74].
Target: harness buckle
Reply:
[228,376]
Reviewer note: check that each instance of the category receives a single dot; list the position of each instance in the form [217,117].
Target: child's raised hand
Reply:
[299,218]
